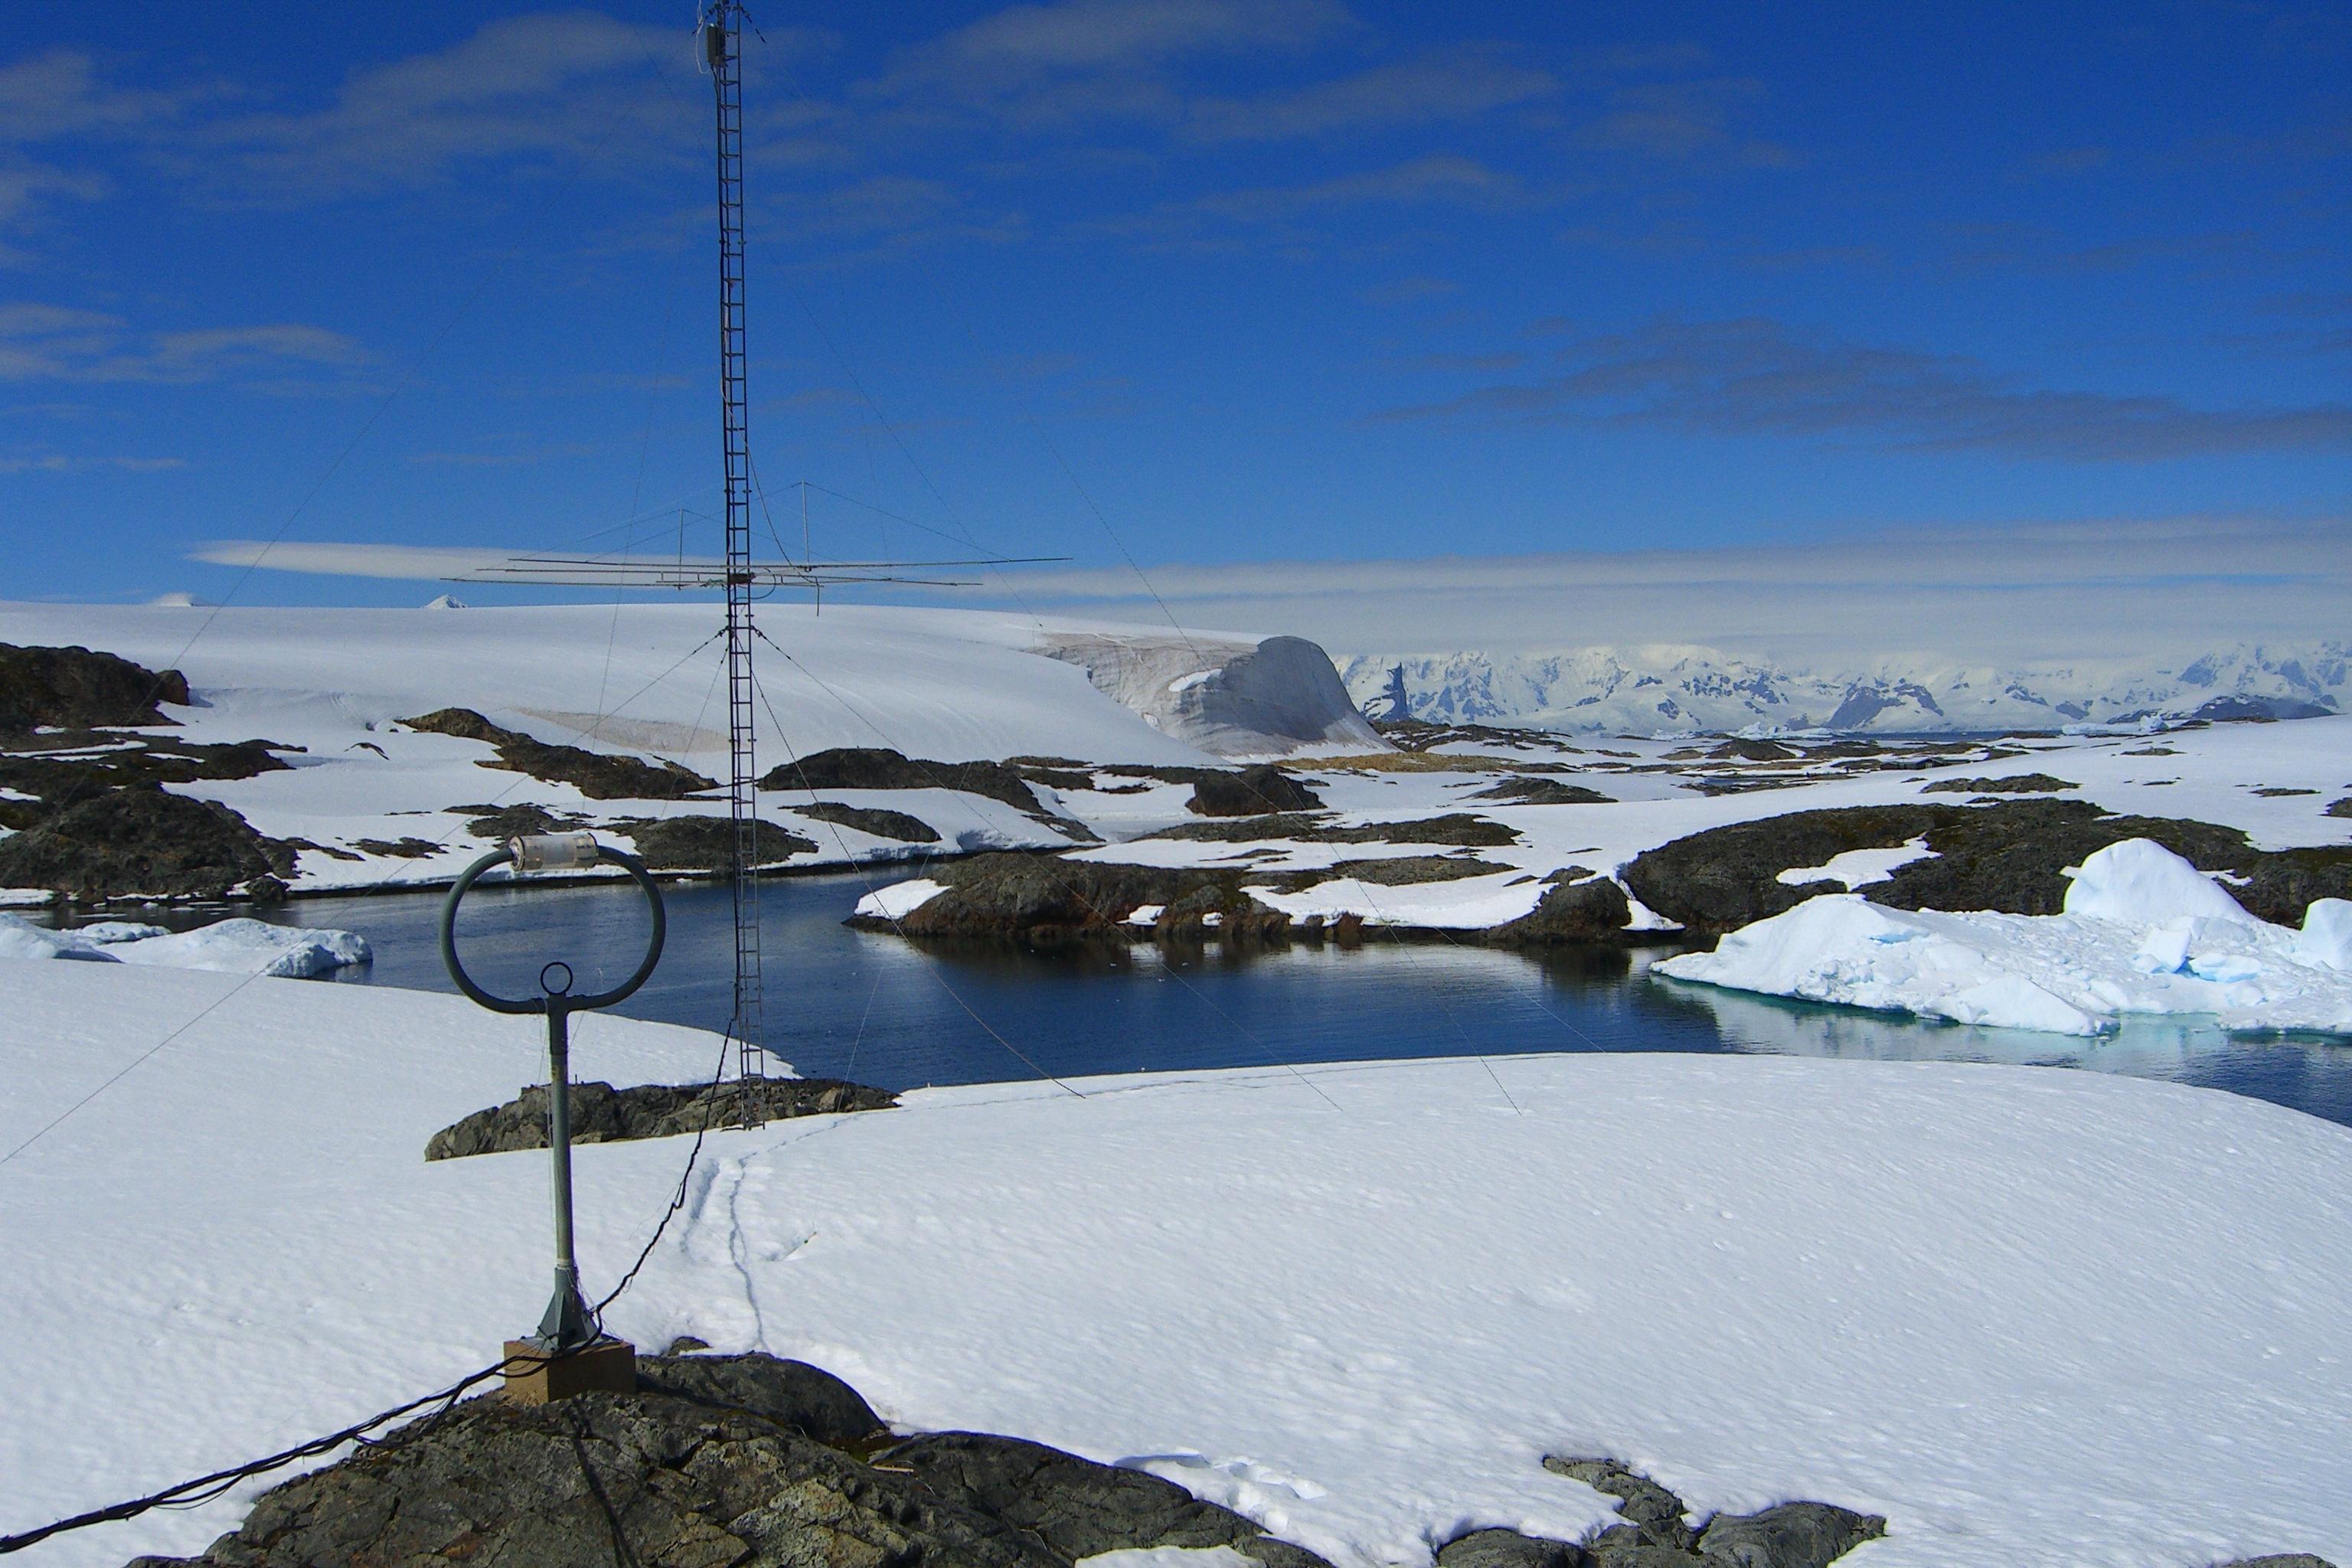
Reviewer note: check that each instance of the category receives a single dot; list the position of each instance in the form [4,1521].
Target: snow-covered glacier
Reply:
[1644,689]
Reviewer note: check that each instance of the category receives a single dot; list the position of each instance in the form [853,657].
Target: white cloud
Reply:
[2095,590]
[2104,589]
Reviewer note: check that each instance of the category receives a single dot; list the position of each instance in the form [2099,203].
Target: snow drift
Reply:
[2033,1318]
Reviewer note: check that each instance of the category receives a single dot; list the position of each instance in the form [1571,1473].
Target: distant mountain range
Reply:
[1643,690]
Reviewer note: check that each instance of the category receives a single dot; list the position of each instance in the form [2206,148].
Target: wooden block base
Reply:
[608,1366]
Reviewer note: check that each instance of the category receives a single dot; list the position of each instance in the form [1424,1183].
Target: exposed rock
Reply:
[2281,885]
[76,689]
[65,775]
[806,1401]
[498,823]
[141,839]
[596,774]
[1657,1532]
[1252,792]
[2008,858]
[1076,1507]
[2340,807]
[1541,792]
[1794,1535]
[1645,1504]
[738,1461]
[706,843]
[2282,1560]
[603,1114]
[1750,750]
[1583,911]
[1054,772]
[649,1478]
[409,847]
[1045,897]
[1400,871]
[877,820]
[2017,783]
[1508,1549]
[1458,830]
[875,767]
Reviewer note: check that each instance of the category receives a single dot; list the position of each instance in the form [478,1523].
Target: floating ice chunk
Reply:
[1147,914]
[898,899]
[106,933]
[2140,882]
[243,946]
[20,938]
[2326,935]
[238,946]
[2069,975]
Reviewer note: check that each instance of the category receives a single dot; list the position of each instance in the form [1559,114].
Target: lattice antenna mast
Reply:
[722,38]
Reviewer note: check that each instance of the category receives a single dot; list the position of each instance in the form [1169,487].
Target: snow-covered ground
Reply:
[2215,774]
[640,678]
[2034,1317]
[2143,932]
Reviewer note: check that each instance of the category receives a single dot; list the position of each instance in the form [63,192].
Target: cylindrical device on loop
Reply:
[553,851]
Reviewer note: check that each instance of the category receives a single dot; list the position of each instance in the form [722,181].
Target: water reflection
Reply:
[857,1004]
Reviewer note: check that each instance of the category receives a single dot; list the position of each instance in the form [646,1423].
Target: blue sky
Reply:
[1211,282]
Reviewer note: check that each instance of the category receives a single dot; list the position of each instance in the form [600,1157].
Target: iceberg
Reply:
[239,946]
[2143,932]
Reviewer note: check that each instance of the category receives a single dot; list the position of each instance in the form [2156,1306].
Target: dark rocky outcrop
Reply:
[706,843]
[141,839]
[2016,783]
[60,771]
[1657,1532]
[806,1401]
[408,848]
[596,774]
[603,1114]
[875,767]
[1541,792]
[1255,791]
[2281,885]
[1456,830]
[717,1462]
[1593,909]
[1045,899]
[77,689]
[1745,750]
[877,820]
[1078,1508]
[2008,857]
[2340,807]
[2281,1560]
[649,1478]
[496,824]
[1508,1549]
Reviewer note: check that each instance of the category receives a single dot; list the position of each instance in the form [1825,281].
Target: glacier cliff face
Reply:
[1643,690]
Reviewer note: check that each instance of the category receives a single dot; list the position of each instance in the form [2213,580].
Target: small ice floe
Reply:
[1146,914]
[238,946]
[2143,932]
[900,898]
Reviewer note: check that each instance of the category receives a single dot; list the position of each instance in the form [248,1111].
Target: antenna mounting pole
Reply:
[722,53]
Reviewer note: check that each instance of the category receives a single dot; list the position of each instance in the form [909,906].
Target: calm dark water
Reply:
[848,1004]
